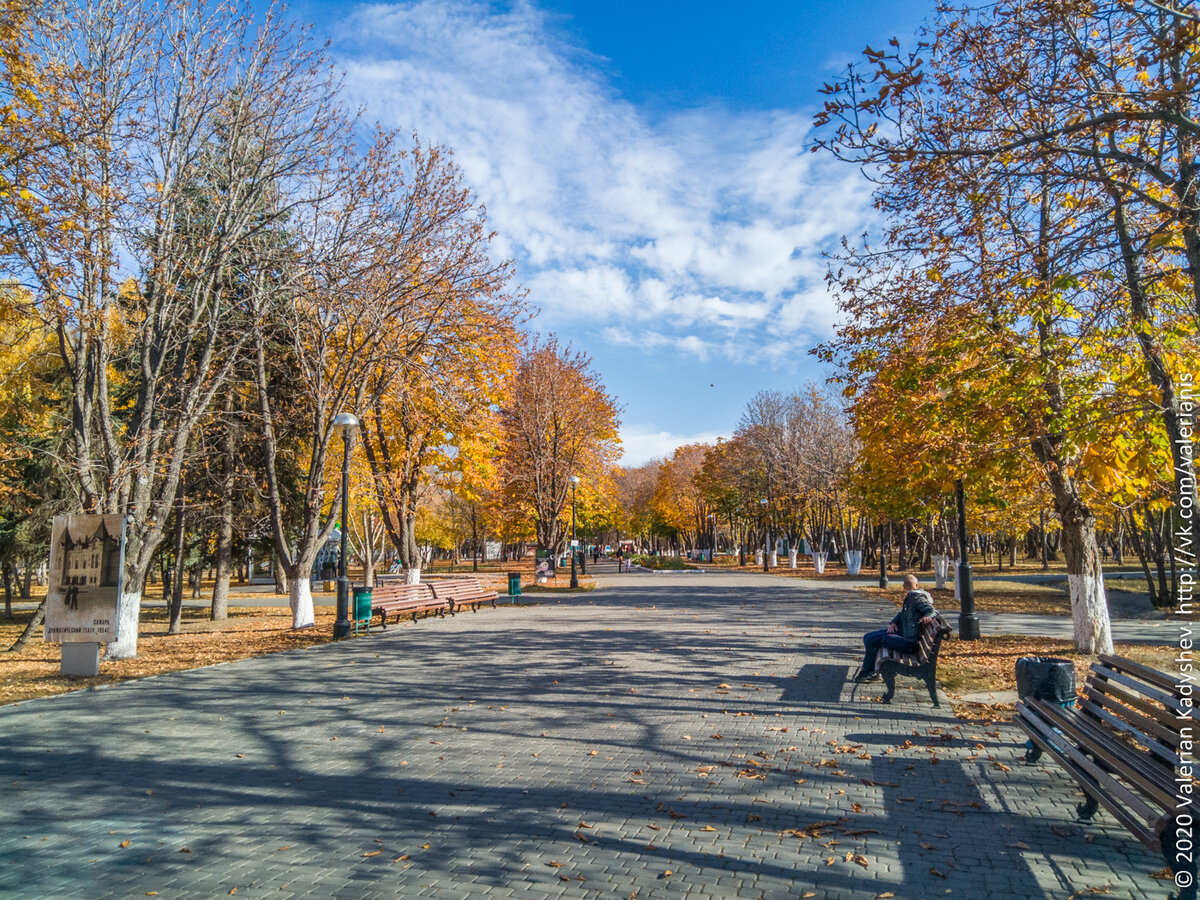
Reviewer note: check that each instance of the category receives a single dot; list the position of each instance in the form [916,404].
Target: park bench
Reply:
[919,663]
[405,600]
[1121,743]
[463,592]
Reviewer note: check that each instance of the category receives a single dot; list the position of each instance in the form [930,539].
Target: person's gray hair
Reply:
[910,582]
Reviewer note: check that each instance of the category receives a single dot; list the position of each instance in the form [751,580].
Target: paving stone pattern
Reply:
[664,736]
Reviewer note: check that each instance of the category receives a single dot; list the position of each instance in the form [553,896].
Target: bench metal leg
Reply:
[1179,862]
[1088,808]
[931,683]
[1032,752]
[889,678]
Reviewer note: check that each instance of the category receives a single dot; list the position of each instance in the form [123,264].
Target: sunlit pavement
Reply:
[661,736]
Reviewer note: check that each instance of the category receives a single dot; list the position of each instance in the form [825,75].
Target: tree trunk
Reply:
[369,554]
[224,552]
[26,579]
[1043,540]
[283,577]
[129,608]
[8,590]
[301,601]
[176,600]
[34,624]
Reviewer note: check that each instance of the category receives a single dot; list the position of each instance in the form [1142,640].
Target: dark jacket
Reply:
[917,605]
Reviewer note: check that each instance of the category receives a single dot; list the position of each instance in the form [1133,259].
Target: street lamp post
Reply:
[347,424]
[883,579]
[968,622]
[712,525]
[574,543]
[766,538]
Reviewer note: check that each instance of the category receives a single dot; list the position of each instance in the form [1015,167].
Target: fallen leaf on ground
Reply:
[373,853]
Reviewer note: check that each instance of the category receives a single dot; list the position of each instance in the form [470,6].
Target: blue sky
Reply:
[647,166]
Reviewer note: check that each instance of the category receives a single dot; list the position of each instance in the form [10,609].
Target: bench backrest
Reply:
[930,639]
[460,589]
[1139,703]
[390,592]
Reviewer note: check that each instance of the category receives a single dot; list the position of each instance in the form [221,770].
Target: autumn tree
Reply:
[147,93]
[558,421]
[634,491]
[1100,96]
[429,413]
[679,501]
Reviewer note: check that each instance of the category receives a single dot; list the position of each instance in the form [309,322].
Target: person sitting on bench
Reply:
[902,632]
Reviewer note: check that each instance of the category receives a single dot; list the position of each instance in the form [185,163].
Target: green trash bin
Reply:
[362,608]
[514,584]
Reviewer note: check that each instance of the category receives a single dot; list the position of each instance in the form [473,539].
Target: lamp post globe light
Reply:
[574,543]
[347,424]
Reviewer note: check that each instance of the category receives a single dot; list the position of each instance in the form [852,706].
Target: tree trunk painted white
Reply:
[941,568]
[129,609]
[1089,613]
[853,562]
[819,560]
[301,601]
[792,554]
[412,576]
[758,557]
[774,558]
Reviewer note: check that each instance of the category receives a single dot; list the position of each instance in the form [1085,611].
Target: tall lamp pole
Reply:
[766,538]
[347,424]
[574,543]
[968,622]
[883,579]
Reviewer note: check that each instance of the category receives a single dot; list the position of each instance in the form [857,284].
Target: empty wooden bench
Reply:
[920,663]
[1121,743]
[463,592]
[405,600]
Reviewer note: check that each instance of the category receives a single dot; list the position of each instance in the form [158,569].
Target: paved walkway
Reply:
[690,736]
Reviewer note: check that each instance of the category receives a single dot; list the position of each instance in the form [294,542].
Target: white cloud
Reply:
[640,443]
[707,221]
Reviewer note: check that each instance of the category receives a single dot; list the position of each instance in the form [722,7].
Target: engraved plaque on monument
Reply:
[86,567]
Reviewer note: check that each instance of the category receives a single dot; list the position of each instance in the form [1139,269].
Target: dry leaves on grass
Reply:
[989,664]
[249,631]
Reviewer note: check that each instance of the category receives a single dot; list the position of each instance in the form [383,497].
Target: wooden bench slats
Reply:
[1153,676]
[405,599]
[1169,700]
[1098,784]
[1119,743]
[919,663]
[1111,693]
[1119,719]
[1114,752]
[463,592]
